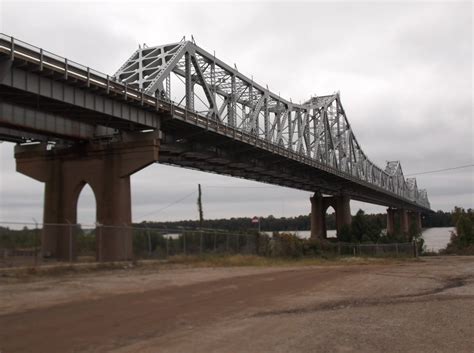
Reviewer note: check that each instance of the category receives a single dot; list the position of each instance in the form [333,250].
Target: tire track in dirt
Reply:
[422,296]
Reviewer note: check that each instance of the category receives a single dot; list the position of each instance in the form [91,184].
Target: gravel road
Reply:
[411,306]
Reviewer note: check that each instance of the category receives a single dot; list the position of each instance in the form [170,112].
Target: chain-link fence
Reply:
[30,244]
[372,250]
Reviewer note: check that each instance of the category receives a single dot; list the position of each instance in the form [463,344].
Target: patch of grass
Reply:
[253,260]
[56,270]
[190,261]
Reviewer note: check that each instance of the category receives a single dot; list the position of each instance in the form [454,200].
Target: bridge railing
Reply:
[46,60]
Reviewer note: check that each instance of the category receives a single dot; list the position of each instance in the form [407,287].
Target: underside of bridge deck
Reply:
[107,169]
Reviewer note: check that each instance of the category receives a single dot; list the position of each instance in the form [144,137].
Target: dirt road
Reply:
[425,306]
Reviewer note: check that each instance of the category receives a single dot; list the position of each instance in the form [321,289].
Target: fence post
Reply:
[36,243]
[99,250]
[184,243]
[200,242]
[149,242]
[167,246]
[415,248]
[396,248]
[354,250]
[338,248]
[70,242]
[215,240]
[124,237]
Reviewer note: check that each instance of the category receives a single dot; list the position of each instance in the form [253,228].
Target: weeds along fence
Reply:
[21,243]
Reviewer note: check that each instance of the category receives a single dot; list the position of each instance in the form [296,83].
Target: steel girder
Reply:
[318,129]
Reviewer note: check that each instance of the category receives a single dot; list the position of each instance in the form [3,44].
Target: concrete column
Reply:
[343,212]
[390,221]
[107,169]
[318,220]
[415,217]
[418,220]
[404,221]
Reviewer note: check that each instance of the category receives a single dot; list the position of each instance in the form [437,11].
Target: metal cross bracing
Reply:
[318,129]
[185,82]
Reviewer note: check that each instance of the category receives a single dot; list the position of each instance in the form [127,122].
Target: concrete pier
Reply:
[319,206]
[107,169]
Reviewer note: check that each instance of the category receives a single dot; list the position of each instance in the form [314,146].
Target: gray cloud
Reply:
[404,71]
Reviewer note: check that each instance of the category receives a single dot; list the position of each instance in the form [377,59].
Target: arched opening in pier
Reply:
[330,222]
[86,229]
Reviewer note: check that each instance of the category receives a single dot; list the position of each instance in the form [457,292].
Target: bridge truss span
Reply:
[318,130]
[211,116]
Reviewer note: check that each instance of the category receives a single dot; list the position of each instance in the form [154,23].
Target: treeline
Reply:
[273,224]
[438,219]
[462,239]
[269,223]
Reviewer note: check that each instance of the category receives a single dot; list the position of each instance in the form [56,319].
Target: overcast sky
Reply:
[404,71]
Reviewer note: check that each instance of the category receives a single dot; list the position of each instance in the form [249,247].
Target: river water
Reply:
[435,238]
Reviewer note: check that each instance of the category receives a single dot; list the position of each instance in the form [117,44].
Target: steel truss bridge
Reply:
[211,117]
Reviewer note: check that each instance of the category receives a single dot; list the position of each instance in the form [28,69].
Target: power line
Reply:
[273,187]
[442,170]
[168,206]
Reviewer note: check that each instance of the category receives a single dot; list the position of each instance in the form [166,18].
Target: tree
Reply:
[464,230]
[413,231]
[344,234]
[358,226]
[462,240]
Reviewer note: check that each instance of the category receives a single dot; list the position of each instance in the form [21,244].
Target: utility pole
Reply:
[199,202]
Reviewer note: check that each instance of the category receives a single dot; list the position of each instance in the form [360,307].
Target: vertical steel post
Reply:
[291,127]
[266,125]
[149,242]
[41,59]
[99,242]
[200,242]
[12,48]
[36,243]
[231,105]
[184,243]
[188,82]
[168,87]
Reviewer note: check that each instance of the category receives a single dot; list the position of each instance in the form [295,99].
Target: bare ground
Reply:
[419,306]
